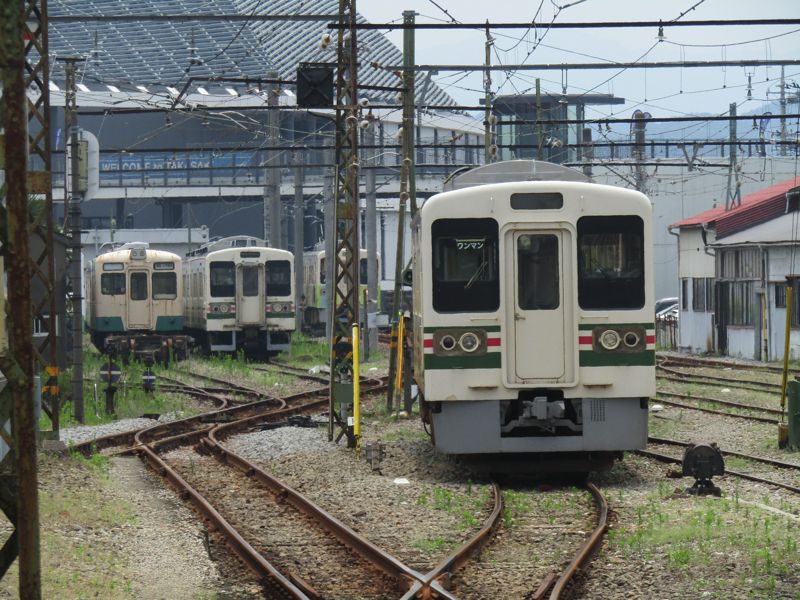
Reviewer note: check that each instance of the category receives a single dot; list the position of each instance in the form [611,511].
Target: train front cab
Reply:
[280,308]
[544,340]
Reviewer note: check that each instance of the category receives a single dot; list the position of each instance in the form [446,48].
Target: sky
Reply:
[662,92]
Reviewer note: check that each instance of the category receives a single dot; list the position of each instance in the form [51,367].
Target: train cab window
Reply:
[611,263]
[139,285]
[112,284]
[250,281]
[465,265]
[222,279]
[279,278]
[538,280]
[165,286]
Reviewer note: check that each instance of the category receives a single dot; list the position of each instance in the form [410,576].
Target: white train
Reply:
[315,289]
[239,295]
[533,316]
[135,303]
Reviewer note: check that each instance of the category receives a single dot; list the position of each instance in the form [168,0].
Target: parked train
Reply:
[239,296]
[314,287]
[135,303]
[533,317]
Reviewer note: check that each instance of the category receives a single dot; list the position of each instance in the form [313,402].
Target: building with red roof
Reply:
[733,265]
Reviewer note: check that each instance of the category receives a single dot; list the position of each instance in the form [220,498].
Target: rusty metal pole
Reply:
[18,367]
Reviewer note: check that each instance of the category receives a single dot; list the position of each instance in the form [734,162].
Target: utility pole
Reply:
[539,151]
[19,499]
[345,301]
[299,235]
[783,111]
[733,195]
[487,93]
[406,167]
[272,191]
[409,103]
[371,232]
[76,188]
[638,127]
[330,239]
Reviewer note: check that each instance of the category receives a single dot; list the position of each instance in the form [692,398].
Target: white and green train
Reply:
[533,316]
[239,296]
[134,303]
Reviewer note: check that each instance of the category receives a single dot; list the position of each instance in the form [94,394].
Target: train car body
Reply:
[533,318]
[239,296]
[315,289]
[135,303]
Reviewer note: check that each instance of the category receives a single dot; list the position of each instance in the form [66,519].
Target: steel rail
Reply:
[213,443]
[433,582]
[762,459]
[670,459]
[731,403]
[746,384]
[711,362]
[249,555]
[719,412]
[589,546]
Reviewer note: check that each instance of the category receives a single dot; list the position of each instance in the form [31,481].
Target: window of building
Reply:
[780,295]
[610,262]
[465,265]
[139,285]
[703,294]
[165,286]
[684,294]
[740,302]
[112,284]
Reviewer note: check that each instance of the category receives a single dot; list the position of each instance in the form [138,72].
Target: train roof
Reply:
[512,170]
[231,251]
[233,241]
[126,252]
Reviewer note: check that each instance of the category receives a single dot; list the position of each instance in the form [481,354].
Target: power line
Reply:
[610,65]
[579,25]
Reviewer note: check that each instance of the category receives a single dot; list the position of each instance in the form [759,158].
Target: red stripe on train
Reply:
[492,342]
[651,339]
[428,343]
[584,339]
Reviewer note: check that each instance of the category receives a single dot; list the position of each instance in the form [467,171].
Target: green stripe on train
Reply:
[490,360]
[280,315]
[591,326]
[588,358]
[108,324]
[221,316]
[487,328]
[164,323]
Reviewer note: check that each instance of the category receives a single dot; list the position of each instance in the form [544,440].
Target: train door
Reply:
[139,304]
[250,295]
[539,305]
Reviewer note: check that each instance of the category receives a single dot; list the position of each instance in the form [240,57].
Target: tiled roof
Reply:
[755,208]
[156,53]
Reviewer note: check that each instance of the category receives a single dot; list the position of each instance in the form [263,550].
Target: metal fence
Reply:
[667,332]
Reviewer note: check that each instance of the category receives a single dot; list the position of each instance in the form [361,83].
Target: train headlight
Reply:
[631,339]
[609,339]
[469,342]
[447,342]
[223,308]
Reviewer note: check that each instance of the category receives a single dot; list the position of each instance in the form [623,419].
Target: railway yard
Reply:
[246,497]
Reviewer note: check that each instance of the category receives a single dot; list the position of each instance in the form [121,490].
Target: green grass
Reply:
[466,507]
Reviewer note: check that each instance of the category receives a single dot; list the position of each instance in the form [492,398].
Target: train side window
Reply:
[322,271]
[611,263]
[465,265]
[165,286]
[112,284]
[279,278]
[139,286]
[363,271]
[538,273]
[222,279]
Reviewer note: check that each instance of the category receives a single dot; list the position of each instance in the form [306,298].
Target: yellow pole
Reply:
[789,289]
[398,381]
[356,391]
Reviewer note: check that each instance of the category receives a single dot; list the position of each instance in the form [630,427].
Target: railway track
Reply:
[691,361]
[704,399]
[669,374]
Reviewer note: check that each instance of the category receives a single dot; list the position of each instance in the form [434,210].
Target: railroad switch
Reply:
[703,461]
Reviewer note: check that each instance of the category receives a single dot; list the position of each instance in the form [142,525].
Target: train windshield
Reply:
[112,284]
[222,279]
[611,263]
[279,278]
[165,286]
[465,265]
